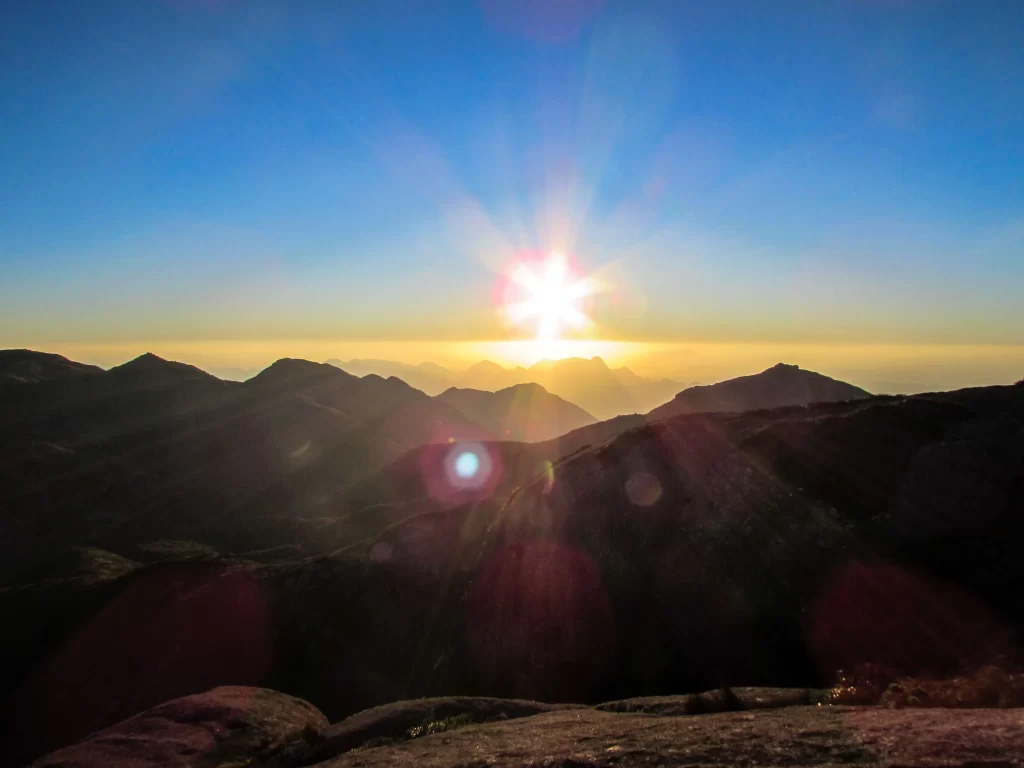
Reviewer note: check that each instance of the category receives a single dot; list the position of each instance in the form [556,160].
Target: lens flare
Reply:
[643,489]
[549,293]
[468,466]
[546,473]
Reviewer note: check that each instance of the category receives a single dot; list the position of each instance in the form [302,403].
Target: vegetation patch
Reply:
[440,726]
[997,685]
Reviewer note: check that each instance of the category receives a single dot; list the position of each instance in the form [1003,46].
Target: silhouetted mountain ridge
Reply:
[160,450]
[426,377]
[153,370]
[27,366]
[587,383]
[291,373]
[779,386]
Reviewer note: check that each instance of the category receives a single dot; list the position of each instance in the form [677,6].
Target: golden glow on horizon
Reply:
[877,367]
[526,352]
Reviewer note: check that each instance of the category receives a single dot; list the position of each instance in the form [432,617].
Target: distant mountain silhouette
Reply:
[491,377]
[526,412]
[602,391]
[648,393]
[430,378]
[780,385]
[590,384]
[232,374]
[26,366]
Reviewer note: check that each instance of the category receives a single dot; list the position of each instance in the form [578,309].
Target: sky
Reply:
[835,183]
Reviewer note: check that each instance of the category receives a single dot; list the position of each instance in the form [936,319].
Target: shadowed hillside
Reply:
[766,547]
[159,450]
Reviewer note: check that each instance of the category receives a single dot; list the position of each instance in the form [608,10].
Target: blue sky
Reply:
[821,172]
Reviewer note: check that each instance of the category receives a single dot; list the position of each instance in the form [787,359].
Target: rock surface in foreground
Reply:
[741,727]
[225,726]
[805,736]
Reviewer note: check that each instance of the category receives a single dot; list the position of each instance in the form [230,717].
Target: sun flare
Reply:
[550,294]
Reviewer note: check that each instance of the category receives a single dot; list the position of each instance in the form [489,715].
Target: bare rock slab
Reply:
[403,720]
[228,726]
[791,736]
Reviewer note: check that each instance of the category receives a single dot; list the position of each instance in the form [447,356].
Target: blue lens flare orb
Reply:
[467,464]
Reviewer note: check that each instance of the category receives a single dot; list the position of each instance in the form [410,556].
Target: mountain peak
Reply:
[527,387]
[153,367]
[767,389]
[525,411]
[145,360]
[290,371]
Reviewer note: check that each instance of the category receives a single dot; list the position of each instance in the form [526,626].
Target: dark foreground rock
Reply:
[805,736]
[225,726]
[724,700]
[405,720]
[742,727]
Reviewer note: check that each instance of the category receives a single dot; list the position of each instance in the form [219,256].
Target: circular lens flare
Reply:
[467,465]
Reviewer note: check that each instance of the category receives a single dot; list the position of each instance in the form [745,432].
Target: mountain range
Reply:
[310,530]
[108,453]
[591,384]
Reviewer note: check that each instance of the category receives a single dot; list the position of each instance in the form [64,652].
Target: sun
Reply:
[550,295]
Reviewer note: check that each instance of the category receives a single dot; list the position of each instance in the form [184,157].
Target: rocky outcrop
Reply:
[405,720]
[744,726]
[225,726]
[805,736]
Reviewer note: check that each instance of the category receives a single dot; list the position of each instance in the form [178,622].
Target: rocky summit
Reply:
[763,727]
